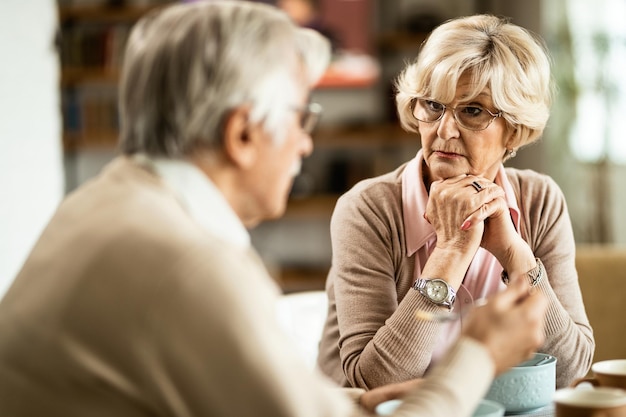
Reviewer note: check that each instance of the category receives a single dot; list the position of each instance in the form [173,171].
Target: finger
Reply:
[532,305]
[457,178]
[536,301]
[534,309]
[485,211]
[515,293]
[476,185]
[480,183]
[522,287]
[473,219]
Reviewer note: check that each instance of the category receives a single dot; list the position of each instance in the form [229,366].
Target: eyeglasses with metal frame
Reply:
[309,116]
[471,117]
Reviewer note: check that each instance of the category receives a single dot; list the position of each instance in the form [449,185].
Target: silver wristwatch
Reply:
[437,291]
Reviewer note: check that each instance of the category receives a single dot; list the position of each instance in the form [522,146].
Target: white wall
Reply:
[31,173]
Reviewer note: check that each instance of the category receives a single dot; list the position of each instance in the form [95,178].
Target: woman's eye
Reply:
[472,111]
[434,106]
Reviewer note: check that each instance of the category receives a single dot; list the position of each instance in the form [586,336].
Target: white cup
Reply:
[610,373]
[590,402]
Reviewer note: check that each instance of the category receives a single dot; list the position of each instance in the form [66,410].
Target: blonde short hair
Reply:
[187,66]
[506,58]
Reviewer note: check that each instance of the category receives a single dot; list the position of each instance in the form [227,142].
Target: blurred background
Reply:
[58,117]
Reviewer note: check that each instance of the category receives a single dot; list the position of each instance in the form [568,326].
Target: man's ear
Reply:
[239,144]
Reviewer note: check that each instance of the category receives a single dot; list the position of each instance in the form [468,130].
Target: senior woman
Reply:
[452,225]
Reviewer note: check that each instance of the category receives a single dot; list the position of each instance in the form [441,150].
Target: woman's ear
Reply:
[512,140]
[511,144]
[239,144]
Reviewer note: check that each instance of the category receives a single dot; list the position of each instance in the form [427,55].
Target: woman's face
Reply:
[450,150]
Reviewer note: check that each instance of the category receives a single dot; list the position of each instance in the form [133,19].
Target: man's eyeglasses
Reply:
[309,116]
[470,117]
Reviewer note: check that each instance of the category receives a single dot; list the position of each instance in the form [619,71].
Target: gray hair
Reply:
[187,66]
[513,63]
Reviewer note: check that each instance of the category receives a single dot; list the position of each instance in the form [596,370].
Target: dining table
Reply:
[547,411]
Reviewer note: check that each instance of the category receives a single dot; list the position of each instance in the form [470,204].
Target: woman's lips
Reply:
[448,155]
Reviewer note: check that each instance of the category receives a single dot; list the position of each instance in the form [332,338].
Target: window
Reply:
[598,34]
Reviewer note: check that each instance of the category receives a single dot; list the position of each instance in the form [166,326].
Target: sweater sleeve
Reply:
[380,341]
[547,229]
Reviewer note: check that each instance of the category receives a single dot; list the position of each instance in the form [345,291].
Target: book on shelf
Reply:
[90,113]
[93,46]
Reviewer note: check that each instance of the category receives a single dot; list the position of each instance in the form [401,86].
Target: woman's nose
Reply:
[448,127]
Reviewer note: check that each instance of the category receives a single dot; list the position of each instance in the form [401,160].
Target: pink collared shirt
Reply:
[483,275]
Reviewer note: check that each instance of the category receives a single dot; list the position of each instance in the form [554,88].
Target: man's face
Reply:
[278,162]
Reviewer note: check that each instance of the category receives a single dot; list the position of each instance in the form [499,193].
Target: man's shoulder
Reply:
[128,209]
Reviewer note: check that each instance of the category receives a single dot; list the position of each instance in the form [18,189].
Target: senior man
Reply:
[144,297]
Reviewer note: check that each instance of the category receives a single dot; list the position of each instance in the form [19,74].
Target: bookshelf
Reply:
[92,38]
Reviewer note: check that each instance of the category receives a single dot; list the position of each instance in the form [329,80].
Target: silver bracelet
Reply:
[535,275]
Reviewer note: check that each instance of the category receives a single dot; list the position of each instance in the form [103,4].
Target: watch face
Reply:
[437,290]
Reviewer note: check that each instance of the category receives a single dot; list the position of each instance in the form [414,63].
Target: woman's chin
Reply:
[444,174]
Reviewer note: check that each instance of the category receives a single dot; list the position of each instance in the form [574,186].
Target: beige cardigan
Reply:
[371,338]
[126,307]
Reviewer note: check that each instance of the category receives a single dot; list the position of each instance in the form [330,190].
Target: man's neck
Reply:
[226,178]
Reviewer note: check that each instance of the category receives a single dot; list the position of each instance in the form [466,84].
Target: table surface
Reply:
[547,411]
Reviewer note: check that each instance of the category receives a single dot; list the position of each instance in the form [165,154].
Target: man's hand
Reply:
[370,399]
[510,325]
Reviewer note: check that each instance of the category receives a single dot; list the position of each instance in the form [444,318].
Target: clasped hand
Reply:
[469,211]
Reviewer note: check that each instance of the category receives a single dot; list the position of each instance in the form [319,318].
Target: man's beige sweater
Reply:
[127,307]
